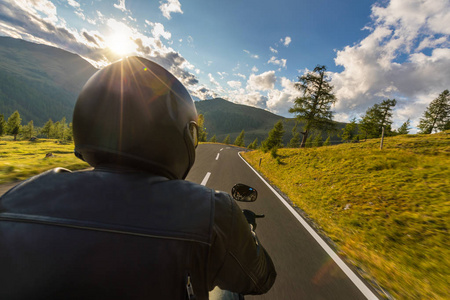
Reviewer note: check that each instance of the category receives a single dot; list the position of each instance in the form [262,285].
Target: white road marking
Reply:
[205,180]
[221,149]
[217,157]
[351,275]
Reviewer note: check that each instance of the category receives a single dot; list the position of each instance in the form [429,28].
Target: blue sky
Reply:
[252,51]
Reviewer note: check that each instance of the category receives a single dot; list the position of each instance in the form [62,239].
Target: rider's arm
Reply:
[238,262]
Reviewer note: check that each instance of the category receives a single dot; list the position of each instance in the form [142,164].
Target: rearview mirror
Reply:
[244,193]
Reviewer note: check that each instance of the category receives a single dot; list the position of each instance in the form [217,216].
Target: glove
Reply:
[251,217]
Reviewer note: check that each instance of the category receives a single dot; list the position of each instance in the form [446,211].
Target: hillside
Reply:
[39,81]
[386,210]
[223,117]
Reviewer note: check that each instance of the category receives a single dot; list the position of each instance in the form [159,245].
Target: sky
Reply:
[253,51]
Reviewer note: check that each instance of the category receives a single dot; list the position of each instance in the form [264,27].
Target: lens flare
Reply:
[120,39]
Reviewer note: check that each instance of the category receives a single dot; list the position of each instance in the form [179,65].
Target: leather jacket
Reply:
[122,235]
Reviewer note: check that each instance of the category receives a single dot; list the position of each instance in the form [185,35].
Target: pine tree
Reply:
[314,107]
[253,145]
[13,125]
[56,130]
[317,142]
[295,141]
[213,139]
[240,139]
[2,125]
[377,117]
[437,115]
[275,137]
[201,129]
[404,129]
[63,129]
[28,130]
[327,142]
[69,133]
[226,140]
[349,132]
[309,141]
[48,128]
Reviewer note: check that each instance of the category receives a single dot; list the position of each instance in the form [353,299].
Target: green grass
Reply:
[20,160]
[387,211]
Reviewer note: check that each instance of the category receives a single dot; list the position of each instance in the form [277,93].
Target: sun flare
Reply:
[120,40]
[120,44]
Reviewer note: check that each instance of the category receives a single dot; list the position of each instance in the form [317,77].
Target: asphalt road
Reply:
[305,270]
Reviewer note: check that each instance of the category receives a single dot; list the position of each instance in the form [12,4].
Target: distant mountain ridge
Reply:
[40,81]
[43,82]
[223,117]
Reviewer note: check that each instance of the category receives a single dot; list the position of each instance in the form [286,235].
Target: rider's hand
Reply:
[251,217]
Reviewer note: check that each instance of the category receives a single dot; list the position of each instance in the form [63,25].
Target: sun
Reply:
[121,44]
[120,39]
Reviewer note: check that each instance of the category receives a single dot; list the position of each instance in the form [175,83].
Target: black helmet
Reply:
[134,113]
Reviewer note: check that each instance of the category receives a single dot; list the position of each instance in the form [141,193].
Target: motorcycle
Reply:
[243,193]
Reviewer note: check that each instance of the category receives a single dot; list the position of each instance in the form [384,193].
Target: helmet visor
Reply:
[193,132]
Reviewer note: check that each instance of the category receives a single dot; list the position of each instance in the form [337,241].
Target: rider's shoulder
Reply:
[37,179]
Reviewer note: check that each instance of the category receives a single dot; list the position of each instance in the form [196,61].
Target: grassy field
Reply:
[387,211]
[20,160]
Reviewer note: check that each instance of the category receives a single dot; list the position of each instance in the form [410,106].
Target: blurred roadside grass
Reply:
[20,160]
[387,211]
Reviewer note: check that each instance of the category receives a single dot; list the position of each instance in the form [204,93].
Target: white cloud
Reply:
[158,30]
[388,63]
[222,74]
[234,84]
[431,42]
[279,102]
[286,41]
[35,7]
[80,14]
[273,50]
[73,3]
[171,6]
[37,21]
[190,41]
[202,93]
[279,62]
[255,69]
[262,82]
[254,98]
[255,56]
[212,80]
[121,5]
[240,75]
[78,11]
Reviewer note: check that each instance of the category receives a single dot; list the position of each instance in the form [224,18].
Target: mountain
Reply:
[43,82]
[39,81]
[223,117]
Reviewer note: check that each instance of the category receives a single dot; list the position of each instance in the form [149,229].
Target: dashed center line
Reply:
[221,149]
[205,180]
[217,157]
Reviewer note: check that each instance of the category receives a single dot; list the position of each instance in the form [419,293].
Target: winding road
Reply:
[307,267]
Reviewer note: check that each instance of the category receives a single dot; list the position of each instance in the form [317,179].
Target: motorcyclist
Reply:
[131,228]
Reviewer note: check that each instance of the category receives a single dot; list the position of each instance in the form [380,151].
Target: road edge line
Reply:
[350,274]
